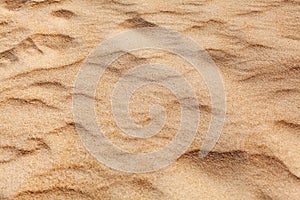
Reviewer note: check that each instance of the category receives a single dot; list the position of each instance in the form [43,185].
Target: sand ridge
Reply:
[255,44]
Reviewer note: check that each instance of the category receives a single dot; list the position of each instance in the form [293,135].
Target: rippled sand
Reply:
[256,46]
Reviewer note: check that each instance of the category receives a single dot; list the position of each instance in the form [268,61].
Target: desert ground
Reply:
[256,47]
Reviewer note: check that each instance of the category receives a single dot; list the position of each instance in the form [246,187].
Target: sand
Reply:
[254,44]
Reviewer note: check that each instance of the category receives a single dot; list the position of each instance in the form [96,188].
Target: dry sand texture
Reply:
[256,46]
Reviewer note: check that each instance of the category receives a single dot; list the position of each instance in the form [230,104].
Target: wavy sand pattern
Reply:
[255,44]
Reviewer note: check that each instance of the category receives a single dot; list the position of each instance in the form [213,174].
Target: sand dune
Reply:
[255,45]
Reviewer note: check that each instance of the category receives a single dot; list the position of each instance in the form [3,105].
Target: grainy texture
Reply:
[255,44]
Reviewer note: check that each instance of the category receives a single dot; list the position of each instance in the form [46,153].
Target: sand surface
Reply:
[255,45]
